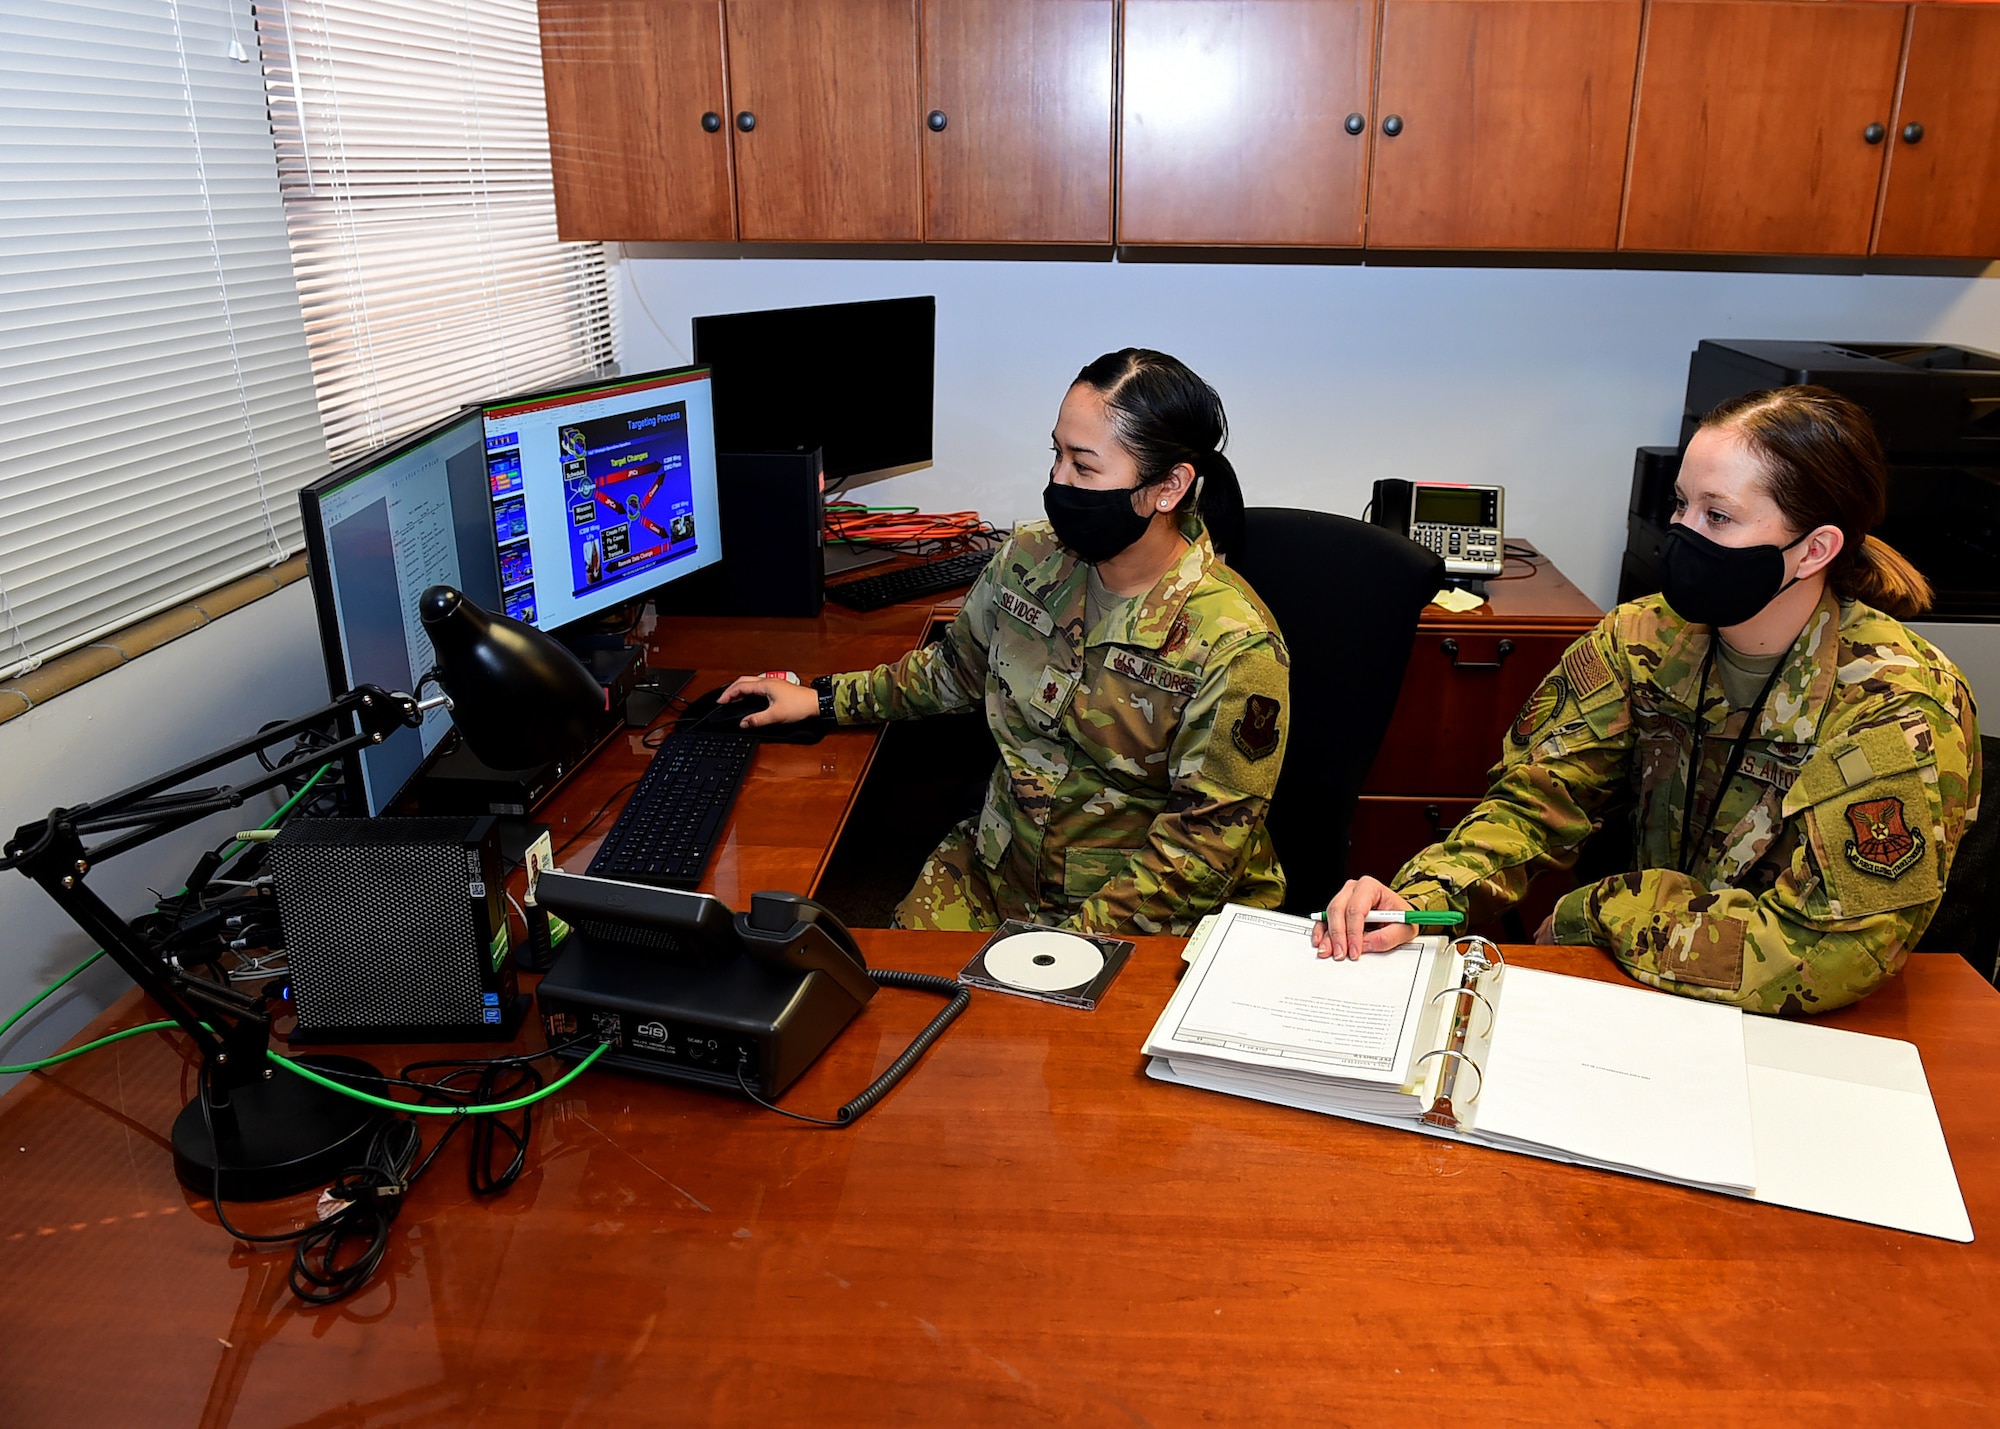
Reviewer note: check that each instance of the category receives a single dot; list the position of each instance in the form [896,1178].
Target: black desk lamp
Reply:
[516,696]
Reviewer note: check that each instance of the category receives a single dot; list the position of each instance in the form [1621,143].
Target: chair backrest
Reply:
[1967,920]
[1346,596]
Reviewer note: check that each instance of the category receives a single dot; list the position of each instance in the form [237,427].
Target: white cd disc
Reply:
[1044,961]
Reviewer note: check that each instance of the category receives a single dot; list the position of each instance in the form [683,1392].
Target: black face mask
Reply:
[1708,583]
[1095,525]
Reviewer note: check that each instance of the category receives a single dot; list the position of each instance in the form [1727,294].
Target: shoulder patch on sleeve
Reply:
[1256,733]
[1585,667]
[1540,711]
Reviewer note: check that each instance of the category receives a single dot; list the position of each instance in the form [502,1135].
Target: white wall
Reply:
[1541,379]
[178,702]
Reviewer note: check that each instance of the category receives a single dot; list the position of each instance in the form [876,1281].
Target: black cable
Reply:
[324,1267]
[959,994]
[602,810]
[321,1273]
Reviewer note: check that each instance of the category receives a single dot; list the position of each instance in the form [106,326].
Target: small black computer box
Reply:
[396,930]
[680,992]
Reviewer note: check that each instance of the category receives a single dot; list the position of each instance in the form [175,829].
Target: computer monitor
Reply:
[853,379]
[599,494]
[380,531]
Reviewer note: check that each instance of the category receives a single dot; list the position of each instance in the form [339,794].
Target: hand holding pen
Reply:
[1367,916]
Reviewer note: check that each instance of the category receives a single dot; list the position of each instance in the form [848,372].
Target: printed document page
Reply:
[1258,995]
[1621,1076]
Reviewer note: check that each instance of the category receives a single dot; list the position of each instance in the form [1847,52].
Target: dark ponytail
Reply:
[1164,415]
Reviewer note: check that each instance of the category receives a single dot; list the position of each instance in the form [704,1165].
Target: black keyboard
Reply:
[668,828]
[875,592]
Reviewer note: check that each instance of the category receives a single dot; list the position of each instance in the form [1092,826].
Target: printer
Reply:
[1936,409]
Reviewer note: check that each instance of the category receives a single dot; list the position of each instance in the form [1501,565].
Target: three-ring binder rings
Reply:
[1443,1038]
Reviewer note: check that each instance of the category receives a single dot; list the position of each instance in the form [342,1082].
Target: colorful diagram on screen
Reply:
[630,493]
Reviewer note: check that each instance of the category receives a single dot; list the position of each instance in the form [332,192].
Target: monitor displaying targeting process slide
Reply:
[603,493]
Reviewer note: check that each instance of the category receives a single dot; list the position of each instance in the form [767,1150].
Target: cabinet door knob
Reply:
[1393,125]
[1913,133]
[746,121]
[1355,123]
[1873,134]
[936,120]
[1500,654]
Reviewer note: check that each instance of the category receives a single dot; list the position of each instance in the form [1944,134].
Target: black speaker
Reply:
[773,535]
[396,930]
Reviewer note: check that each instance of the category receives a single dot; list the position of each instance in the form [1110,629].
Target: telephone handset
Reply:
[1460,522]
[797,933]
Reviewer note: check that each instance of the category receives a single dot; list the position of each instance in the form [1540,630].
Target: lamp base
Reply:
[278,1136]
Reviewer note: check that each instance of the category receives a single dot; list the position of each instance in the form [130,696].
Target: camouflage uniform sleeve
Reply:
[1566,754]
[947,674]
[1222,780]
[1884,807]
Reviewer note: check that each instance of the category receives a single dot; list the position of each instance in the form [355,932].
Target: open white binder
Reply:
[1609,1075]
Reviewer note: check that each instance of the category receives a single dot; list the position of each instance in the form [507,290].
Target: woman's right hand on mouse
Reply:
[788,703]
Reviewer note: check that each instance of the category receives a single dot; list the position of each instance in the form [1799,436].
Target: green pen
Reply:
[1415,917]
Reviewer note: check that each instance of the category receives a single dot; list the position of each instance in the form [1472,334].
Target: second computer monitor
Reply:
[853,379]
[602,493]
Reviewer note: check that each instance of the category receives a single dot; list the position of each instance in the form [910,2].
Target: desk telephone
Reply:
[682,988]
[1460,522]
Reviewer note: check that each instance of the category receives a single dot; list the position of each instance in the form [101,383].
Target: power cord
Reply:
[959,994]
[325,1265]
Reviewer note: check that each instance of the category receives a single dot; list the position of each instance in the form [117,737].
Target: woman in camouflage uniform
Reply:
[1836,751]
[1136,685]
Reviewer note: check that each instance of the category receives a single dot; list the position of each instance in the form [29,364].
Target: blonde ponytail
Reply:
[1880,576]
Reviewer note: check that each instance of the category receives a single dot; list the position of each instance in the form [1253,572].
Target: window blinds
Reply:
[413,156]
[156,403]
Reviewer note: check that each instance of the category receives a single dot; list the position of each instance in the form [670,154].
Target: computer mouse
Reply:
[709,715]
[708,711]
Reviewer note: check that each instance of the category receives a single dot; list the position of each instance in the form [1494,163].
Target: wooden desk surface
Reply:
[789,813]
[1530,593]
[1027,1230]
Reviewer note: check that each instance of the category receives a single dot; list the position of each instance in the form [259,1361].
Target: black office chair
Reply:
[1967,921]
[1346,596]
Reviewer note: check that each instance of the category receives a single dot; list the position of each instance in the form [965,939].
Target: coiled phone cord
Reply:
[959,994]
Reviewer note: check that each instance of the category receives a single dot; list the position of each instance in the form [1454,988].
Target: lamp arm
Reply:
[153,818]
[50,851]
[376,712]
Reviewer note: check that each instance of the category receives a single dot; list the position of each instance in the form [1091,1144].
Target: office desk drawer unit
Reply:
[1469,675]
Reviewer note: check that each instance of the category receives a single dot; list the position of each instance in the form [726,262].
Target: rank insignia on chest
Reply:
[1256,734]
[1052,690]
[1882,844]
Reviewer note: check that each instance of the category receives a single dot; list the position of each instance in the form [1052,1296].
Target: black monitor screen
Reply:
[379,533]
[853,379]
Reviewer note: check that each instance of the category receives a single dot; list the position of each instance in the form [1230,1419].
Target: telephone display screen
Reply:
[1451,506]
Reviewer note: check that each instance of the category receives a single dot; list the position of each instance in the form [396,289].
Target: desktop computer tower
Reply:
[396,930]
[773,535]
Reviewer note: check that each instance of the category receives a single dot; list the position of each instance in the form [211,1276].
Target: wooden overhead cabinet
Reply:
[1017,120]
[1760,126]
[1245,122]
[636,102]
[1942,198]
[1502,123]
[826,120]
